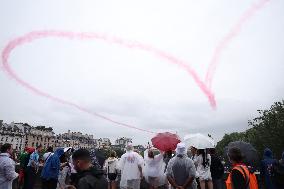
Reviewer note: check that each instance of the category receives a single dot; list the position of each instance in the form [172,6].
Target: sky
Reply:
[132,86]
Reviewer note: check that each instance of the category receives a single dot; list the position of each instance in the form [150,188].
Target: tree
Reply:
[268,129]
[227,138]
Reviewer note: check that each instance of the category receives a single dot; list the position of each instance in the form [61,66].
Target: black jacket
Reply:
[216,168]
[91,179]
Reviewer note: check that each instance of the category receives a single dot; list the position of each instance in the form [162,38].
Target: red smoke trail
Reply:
[30,37]
[205,88]
[235,30]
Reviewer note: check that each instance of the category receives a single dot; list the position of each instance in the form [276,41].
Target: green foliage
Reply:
[266,130]
[227,138]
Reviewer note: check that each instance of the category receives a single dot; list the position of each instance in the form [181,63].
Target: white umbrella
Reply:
[199,141]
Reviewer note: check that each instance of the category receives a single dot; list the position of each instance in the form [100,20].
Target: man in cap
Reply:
[181,170]
[131,169]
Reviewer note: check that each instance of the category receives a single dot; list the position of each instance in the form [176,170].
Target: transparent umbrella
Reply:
[199,141]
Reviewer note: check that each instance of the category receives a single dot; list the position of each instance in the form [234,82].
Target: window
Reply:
[33,144]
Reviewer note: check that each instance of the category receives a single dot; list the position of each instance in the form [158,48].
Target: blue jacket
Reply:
[266,170]
[52,166]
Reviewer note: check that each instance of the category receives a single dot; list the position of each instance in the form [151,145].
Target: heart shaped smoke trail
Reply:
[204,86]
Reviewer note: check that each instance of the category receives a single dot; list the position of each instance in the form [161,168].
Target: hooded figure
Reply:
[50,171]
[181,170]
[278,173]
[266,170]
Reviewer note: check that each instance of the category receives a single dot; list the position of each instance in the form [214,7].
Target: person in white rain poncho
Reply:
[7,167]
[181,170]
[130,165]
[154,169]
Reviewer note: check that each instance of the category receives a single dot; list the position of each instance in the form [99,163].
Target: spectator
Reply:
[203,163]
[23,177]
[167,156]
[181,170]
[48,153]
[32,168]
[51,169]
[88,177]
[279,173]
[240,176]
[154,168]
[23,157]
[64,167]
[217,170]
[131,169]
[98,158]
[72,172]
[266,168]
[110,167]
[7,167]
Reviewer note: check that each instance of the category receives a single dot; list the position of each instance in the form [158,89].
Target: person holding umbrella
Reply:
[240,176]
[154,168]
[203,163]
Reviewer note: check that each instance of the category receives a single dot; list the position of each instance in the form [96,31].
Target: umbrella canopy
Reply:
[165,141]
[248,151]
[199,141]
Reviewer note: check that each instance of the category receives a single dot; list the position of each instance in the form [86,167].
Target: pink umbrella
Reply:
[165,141]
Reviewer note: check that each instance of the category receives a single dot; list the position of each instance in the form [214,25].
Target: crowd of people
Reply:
[183,168]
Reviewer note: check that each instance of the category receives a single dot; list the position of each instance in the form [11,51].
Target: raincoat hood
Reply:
[268,154]
[181,149]
[59,152]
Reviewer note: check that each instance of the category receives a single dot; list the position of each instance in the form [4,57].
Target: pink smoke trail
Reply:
[204,86]
[235,30]
[30,37]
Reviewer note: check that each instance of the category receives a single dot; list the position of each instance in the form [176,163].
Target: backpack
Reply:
[278,173]
[270,170]
[251,181]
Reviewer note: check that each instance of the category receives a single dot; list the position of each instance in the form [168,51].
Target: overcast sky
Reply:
[135,87]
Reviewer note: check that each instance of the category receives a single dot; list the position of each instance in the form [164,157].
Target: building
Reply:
[40,135]
[103,143]
[122,141]
[13,134]
[21,135]
[75,140]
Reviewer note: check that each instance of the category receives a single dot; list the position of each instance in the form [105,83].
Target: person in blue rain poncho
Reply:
[266,169]
[51,169]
